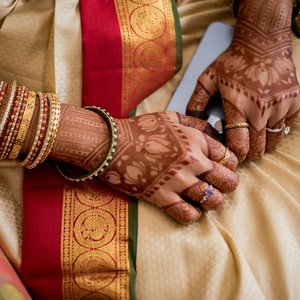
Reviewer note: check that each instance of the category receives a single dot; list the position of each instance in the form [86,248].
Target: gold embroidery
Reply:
[94,243]
[148,47]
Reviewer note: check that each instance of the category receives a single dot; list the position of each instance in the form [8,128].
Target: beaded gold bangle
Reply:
[24,162]
[8,107]
[1,91]
[110,153]
[56,119]
[9,123]
[24,126]
[54,114]
[13,121]
[41,136]
[18,123]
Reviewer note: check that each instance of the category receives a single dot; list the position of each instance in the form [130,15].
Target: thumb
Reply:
[206,87]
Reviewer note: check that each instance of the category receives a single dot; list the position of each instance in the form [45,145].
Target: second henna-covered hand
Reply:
[256,78]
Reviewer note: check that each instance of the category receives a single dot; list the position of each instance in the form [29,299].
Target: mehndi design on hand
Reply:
[164,158]
[162,155]
[256,78]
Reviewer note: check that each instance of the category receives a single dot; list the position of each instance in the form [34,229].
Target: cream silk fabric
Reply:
[250,249]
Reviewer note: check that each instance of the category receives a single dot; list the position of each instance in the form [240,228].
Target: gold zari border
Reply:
[148,47]
[94,243]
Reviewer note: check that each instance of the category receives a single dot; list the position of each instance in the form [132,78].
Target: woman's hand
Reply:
[256,78]
[165,159]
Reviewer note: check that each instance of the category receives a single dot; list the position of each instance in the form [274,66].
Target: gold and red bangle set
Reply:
[17,105]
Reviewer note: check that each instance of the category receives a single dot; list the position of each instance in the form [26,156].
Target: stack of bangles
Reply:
[295,15]
[17,105]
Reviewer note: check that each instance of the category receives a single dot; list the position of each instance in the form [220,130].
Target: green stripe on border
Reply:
[132,243]
[178,36]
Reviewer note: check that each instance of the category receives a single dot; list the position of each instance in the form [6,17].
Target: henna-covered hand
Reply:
[163,158]
[256,78]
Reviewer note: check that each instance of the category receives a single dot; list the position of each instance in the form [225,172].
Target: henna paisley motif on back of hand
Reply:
[158,157]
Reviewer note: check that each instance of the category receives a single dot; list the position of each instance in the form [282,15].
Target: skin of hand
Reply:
[255,77]
[163,158]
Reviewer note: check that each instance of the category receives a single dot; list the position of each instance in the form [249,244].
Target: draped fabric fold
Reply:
[80,239]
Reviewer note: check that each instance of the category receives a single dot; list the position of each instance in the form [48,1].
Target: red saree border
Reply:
[102,56]
[42,232]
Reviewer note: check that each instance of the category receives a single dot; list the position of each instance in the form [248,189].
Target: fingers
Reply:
[201,125]
[205,195]
[204,90]
[198,101]
[275,135]
[291,118]
[237,139]
[182,211]
[221,178]
[219,153]
[294,110]
[257,143]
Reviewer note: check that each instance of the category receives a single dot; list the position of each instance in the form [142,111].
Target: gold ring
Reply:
[237,125]
[224,160]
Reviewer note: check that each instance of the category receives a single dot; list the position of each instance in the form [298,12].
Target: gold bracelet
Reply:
[51,133]
[24,162]
[25,123]
[18,101]
[110,153]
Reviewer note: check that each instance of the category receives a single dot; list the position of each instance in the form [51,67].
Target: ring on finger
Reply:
[275,130]
[237,125]
[208,192]
[225,158]
[286,129]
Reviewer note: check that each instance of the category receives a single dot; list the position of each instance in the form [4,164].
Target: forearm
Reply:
[31,125]
[262,22]
[82,137]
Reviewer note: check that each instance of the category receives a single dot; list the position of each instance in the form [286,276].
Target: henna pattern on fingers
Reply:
[217,151]
[197,191]
[226,181]
[273,138]
[257,143]
[201,125]
[291,119]
[183,211]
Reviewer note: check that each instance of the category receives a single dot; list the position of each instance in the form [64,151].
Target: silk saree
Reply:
[248,249]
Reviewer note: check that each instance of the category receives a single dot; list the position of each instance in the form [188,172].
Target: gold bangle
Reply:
[18,102]
[109,155]
[56,118]
[24,162]
[25,123]
[54,108]
[237,125]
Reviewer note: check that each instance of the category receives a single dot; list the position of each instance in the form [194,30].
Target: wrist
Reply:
[267,17]
[265,27]
[82,139]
